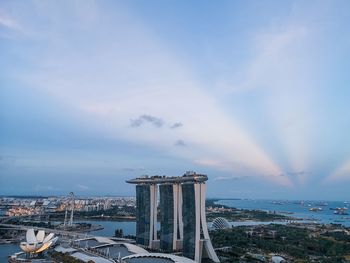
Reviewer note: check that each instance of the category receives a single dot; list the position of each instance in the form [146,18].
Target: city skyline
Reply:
[254,94]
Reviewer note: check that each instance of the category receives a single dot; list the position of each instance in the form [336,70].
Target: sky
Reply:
[255,94]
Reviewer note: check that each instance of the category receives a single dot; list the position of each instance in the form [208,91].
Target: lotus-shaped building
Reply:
[37,243]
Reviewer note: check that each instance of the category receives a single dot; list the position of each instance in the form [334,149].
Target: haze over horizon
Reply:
[253,94]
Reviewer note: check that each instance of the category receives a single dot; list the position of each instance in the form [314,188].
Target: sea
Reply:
[298,209]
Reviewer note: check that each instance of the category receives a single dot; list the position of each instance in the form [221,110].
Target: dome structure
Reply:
[37,243]
[220,223]
[155,258]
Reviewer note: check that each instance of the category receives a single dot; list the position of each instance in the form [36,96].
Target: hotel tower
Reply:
[183,225]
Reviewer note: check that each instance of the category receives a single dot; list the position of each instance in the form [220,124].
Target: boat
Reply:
[277,203]
[315,209]
[339,208]
[322,204]
[340,212]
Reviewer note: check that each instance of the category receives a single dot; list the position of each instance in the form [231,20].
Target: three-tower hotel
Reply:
[183,225]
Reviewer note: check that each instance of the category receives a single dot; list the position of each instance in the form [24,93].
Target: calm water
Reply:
[109,227]
[300,210]
[6,250]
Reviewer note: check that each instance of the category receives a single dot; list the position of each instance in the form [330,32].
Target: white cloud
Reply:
[281,71]
[340,174]
[45,188]
[8,22]
[9,26]
[117,71]
[82,187]
[230,178]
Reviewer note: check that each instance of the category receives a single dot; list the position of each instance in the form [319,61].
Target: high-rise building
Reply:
[183,223]
[146,214]
[189,220]
[166,207]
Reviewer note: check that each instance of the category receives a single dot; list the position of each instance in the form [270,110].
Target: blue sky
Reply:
[253,93]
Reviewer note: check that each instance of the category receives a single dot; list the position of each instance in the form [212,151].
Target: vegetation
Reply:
[65,257]
[115,213]
[297,243]
[338,236]
[119,232]
[45,224]
[234,214]
[34,223]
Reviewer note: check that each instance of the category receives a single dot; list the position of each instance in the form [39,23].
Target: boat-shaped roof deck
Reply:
[186,178]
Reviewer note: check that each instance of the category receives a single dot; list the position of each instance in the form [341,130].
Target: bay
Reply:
[299,209]
[7,250]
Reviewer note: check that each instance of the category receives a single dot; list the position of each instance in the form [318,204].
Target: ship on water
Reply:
[315,209]
[341,211]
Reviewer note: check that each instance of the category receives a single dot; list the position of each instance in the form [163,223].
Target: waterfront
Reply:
[109,227]
[292,208]
[129,228]
[297,209]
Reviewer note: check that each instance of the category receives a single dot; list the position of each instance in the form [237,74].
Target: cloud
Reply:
[298,173]
[4,158]
[8,22]
[180,143]
[83,187]
[176,125]
[156,122]
[282,72]
[229,178]
[7,161]
[9,27]
[116,81]
[340,174]
[45,188]
[129,169]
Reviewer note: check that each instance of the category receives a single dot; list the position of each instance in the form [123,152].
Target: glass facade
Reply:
[143,214]
[166,206]
[189,220]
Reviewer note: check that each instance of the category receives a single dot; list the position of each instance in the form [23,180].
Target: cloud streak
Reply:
[230,178]
[341,174]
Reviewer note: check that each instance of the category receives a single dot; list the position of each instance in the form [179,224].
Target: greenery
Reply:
[34,223]
[119,232]
[65,258]
[114,214]
[234,214]
[296,242]
[339,236]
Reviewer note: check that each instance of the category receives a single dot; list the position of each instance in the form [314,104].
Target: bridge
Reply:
[60,232]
